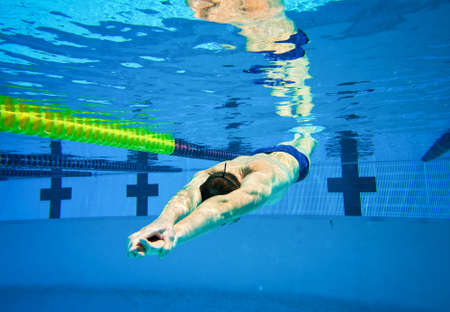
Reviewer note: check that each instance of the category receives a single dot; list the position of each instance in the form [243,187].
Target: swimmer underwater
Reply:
[222,194]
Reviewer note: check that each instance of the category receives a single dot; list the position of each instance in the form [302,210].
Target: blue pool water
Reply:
[367,230]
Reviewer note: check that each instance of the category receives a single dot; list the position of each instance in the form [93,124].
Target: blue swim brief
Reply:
[303,161]
[299,39]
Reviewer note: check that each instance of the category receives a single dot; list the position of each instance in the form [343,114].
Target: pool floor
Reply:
[288,262]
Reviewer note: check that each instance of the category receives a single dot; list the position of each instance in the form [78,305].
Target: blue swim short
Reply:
[301,158]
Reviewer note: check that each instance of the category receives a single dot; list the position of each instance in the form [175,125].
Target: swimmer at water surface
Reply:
[222,194]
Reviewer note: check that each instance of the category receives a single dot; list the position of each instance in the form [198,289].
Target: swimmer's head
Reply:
[219,183]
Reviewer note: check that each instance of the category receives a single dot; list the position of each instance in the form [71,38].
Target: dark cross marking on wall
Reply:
[56,193]
[351,184]
[142,190]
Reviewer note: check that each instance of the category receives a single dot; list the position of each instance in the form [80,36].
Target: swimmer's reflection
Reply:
[267,30]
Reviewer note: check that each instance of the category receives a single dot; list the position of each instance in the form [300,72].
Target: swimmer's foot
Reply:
[304,142]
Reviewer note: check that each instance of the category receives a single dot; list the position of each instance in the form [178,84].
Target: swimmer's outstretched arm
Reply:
[256,188]
[161,236]
[179,206]
[185,200]
[186,216]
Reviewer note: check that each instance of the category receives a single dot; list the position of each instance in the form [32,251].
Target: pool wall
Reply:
[403,189]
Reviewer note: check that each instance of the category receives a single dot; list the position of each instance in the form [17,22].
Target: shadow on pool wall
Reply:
[275,263]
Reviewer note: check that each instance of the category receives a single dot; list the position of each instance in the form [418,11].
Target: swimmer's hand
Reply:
[157,238]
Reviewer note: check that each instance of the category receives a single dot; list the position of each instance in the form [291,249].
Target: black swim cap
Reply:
[219,183]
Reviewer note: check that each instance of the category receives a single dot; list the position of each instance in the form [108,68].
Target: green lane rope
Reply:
[18,116]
